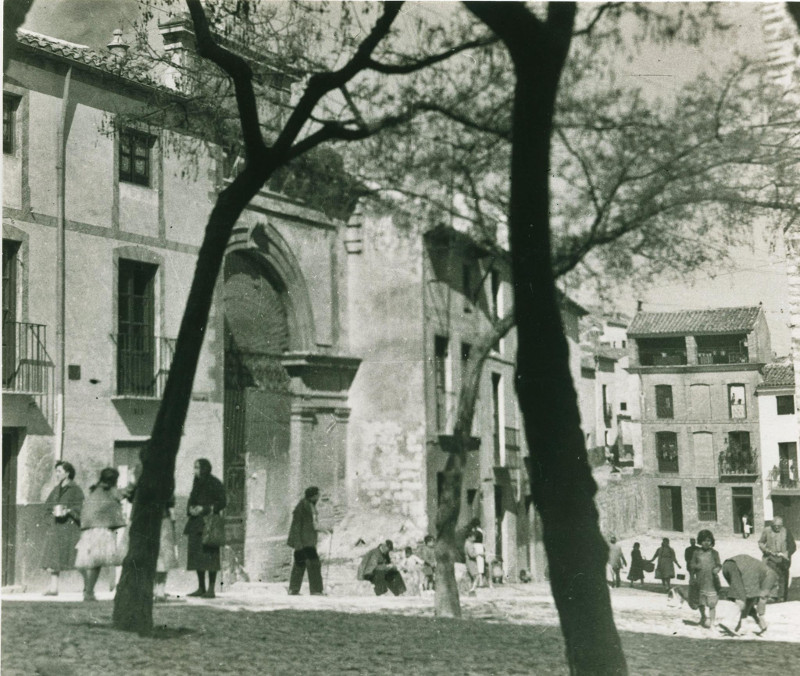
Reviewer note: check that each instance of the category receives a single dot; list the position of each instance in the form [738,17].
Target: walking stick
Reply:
[328,560]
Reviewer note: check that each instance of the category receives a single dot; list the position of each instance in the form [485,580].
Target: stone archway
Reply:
[257,408]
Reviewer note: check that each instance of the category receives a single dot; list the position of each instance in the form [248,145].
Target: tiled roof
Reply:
[778,375]
[687,322]
[133,71]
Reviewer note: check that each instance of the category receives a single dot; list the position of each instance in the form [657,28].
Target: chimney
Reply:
[117,47]
[179,44]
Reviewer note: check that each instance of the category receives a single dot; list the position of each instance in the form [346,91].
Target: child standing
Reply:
[704,570]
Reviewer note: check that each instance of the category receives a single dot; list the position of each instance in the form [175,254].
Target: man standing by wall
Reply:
[303,539]
[777,545]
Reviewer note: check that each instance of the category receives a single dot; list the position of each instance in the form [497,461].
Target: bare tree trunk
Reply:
[133,603]
[561,480]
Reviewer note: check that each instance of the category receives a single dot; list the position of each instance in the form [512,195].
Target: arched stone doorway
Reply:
[286,412]
[257,410]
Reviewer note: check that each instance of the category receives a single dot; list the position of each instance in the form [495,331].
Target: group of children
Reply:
[751,582]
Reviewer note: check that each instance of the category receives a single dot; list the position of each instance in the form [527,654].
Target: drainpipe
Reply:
[61,272]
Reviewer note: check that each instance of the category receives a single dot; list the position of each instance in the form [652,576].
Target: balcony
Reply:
[26,364]
[782,479]
[723,357]
[143,364]
[738,465]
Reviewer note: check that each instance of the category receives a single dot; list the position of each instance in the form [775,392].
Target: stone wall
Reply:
[623,507]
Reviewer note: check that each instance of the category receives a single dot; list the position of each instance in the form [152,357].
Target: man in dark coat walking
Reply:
[377,567]
[303,539]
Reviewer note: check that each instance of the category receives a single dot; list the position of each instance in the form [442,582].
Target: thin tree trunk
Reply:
[133,603]
[561,481]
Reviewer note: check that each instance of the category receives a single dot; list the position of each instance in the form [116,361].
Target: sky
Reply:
[657,69]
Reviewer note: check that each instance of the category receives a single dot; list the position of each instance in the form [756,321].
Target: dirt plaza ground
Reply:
[258,629]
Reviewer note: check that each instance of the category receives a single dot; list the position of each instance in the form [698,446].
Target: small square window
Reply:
[10,124]
[623,406]
[707,504]
[134,157]
[785,404]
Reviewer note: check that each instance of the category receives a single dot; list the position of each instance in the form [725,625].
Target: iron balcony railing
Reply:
[722,357]
[26,364]
[783,477]
[738,463]
[143,364]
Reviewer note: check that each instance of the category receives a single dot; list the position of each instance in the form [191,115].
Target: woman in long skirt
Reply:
[102,516]
[207,497]
[636,571]
[665,567]
[64,503]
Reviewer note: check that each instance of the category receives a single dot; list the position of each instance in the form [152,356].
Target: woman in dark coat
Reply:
[207,496]
[64,503]
[636,571]
[667,560]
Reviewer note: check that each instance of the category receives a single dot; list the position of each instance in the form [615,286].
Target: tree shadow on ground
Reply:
[161,631]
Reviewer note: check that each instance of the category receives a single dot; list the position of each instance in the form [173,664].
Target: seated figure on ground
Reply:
[377,567]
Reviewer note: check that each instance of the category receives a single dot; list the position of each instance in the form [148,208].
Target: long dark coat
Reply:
[208,493]
[64,533]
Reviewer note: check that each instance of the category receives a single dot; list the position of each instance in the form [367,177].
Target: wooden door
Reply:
[671,508]
[9,516]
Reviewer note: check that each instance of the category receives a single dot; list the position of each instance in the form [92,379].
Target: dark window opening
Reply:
[134,157]
[664,407]
[662,351]
[440,350]
[785,404]
[10,124]
[495,283]
[496,414]
[707,504]
[667,451]
[466,286]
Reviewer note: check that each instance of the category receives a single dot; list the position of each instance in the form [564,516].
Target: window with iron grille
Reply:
[664,408]
[785,404]
[707,504]
[134,157]
[136,343]
[10,124]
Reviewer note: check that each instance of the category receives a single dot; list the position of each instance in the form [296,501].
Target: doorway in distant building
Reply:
[499,513]
[671,507]
[9,516]
[787,507]
[742,502]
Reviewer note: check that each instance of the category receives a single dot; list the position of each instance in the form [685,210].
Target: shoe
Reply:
[89,597]
[198,593]
[209,594]
[50,592]
[318,594]
[294,593]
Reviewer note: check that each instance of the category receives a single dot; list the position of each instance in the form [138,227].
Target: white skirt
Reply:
[97,548]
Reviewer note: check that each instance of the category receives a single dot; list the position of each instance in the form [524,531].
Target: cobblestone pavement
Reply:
[259,629]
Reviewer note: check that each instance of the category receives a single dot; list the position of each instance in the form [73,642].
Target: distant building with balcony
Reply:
[777,412]
[698,372]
